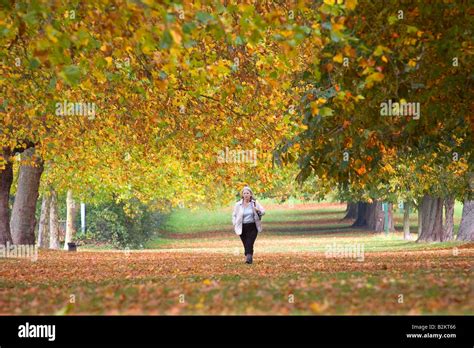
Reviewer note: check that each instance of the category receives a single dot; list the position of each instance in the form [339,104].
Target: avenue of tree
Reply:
[174,84]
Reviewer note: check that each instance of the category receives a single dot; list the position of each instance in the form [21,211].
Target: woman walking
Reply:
[246,220]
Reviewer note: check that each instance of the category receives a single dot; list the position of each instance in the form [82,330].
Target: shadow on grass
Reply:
[315,212]
[309,229]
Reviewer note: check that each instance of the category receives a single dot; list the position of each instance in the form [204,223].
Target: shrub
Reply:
[128,224]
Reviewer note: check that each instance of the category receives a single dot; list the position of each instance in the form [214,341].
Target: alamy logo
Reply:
[76,109]
[237,156]
[401,108]
[19,251]
[351,251]
[32,331]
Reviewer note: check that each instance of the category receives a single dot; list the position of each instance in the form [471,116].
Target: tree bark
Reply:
[6,179]
[466,229]
[371,216]
[448,227]
[351,212]
[43,228]
[420,219]
[361,220]
[70,217]
[23,219]
[406,221]
[431,219]
[391,221]
[375,217]
[53,222]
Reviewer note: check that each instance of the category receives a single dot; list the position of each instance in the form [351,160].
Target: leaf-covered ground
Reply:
[202,272]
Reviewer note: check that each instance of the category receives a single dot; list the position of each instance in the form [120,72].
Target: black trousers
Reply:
[248,236]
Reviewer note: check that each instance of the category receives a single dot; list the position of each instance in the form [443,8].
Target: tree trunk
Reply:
[466,229]
[375,217]
[351,212]
[70,217]
[23,219]
[53,223]
[6,179]
[391,221]
[431,219]
[371,216]
[361,220]
[406,221]
[420,219]
[448,228]
[43,228]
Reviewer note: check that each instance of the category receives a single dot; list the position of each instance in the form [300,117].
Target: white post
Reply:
[83,218]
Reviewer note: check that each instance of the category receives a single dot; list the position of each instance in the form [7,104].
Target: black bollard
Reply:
[71,247]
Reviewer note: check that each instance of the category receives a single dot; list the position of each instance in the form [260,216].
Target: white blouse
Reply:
[248,215]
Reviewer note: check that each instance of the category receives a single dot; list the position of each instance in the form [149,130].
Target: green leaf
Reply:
[71,74]
[317,74]
[34,63]
[188,27]
[166,40]
[52,83]
[204,17]
[411,29]
[255,37]
[392,19]
[239,41]
[335,36]
[326,111]
[189,43]
[378,51]
[375,77]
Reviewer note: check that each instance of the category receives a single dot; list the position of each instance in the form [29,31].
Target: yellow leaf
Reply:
[318,307]
[337,26]
[109,61]
[385,59]
[389,169]
[99,76]
[351,4]
[378,51]
[314,108]
[375,77]
[50,32]
[338,58]
[176,36]
[315,307]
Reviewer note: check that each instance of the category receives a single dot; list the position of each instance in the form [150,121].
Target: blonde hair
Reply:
[248,189]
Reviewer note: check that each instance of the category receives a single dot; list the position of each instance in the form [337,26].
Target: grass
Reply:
[285,230]
[187,221]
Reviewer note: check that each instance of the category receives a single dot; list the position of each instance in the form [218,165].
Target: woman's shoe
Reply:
[249,259]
